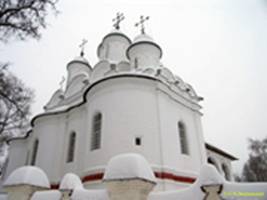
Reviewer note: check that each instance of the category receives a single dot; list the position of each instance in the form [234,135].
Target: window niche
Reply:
[71,147]
[138,141]
[96,131]
[34,151]
[183,138]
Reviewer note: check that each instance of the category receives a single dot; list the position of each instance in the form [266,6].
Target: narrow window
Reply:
[71,147]
[96,131]
[34,152]
[183,138]
[138,141]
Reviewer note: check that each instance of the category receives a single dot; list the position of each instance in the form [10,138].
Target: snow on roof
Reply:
[29,175]
[80,59]
[47,195]
[209,175]
[128,166]
[70,181]
[83,194]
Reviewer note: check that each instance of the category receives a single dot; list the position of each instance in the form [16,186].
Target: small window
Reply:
[183,138]
[138,141]
[71,147]
[96,131]
[34,152]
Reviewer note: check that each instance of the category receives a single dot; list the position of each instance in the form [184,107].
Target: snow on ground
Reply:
[209,177]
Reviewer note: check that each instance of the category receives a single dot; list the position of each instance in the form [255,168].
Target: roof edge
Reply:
[220,151]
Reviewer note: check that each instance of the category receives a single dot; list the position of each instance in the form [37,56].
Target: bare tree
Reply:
[24,18]
[255,169]
[15,101]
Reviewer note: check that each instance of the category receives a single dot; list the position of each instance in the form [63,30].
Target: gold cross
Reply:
[118,20]
[84,41]
[141,23]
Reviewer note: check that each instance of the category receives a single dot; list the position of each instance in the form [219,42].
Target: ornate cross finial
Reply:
[141,22]
[118,20]
[61,83]
[84,41]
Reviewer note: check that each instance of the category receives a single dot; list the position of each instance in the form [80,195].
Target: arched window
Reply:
[96,131]
[226,172]
[71,147]
[183,138]
[34,151]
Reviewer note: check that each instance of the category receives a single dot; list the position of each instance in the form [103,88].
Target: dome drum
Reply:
[76,67]
[144,54]
[113,47]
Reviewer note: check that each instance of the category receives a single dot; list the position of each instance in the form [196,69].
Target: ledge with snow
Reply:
[127,176]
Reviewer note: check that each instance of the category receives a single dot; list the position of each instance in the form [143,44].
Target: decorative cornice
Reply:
[90,87]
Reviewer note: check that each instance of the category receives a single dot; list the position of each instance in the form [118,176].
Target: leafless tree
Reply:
[15,101]
[24,18]
[255,169]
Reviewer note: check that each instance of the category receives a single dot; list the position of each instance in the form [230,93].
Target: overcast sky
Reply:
[218,46]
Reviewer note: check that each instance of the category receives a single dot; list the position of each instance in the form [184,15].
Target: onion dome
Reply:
[77,66]
[113,47]
[144,52]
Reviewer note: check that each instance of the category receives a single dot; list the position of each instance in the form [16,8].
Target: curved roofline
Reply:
[78,61]
[143,42]
[89,88]
[85,93]
[21,137]
[118,34]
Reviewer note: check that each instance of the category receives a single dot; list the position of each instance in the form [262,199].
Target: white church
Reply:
[126,123]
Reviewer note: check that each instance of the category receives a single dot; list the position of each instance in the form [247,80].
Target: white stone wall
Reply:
[131,107]
[171,111]
[129,189]
[21,192]
[19,155]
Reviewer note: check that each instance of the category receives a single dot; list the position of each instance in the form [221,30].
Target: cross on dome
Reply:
[118,20]
[141,23]
[82,45]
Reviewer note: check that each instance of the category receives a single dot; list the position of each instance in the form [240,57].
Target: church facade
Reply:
[128,102]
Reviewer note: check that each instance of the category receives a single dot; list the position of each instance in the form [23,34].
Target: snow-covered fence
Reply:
[24,182]
[129,176]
